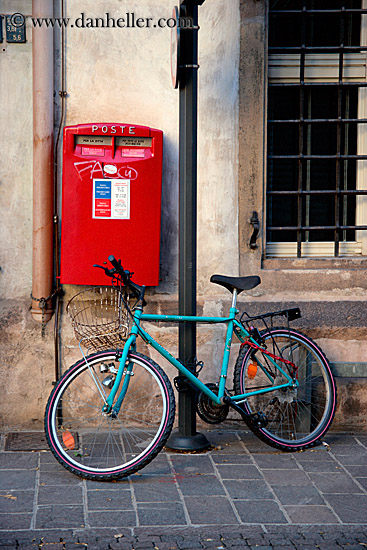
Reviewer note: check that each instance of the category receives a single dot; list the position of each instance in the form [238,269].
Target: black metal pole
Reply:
[187,438]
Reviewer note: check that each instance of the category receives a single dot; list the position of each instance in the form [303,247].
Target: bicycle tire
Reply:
[99,447]
[297,418]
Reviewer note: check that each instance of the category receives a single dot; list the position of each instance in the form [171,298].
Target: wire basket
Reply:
[99,317]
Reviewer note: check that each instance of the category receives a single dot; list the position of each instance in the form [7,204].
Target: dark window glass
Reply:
[316,29]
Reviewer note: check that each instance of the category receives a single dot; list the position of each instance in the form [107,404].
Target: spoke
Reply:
[291,416]
[106,443]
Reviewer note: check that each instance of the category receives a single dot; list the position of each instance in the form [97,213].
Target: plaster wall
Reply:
[113,75]
[123,75]
[16,143]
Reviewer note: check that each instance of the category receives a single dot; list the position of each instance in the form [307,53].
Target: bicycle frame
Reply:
[233,326]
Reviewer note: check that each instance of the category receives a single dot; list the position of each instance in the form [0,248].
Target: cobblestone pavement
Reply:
[241,494]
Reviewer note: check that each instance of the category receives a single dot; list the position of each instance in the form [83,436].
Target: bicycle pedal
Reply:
[258,420]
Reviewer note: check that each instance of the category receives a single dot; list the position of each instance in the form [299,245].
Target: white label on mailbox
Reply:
[110,169]
[111,199]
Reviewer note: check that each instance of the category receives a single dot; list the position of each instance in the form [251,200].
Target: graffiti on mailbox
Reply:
[93,169]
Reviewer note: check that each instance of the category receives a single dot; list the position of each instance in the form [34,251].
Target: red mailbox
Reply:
[111,201]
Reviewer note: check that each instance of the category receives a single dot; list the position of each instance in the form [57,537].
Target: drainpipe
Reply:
[43,168]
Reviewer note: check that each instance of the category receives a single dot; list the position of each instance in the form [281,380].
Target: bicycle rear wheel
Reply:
[297,417]
[99,447]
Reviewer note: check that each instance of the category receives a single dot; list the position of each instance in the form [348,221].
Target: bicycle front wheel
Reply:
[297,417]
[95,446]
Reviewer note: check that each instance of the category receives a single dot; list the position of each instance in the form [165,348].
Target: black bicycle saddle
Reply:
[238,283]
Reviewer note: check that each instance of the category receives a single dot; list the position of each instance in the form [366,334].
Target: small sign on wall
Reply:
[15,28]
[111,199]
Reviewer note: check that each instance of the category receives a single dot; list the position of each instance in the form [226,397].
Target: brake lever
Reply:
[108,272]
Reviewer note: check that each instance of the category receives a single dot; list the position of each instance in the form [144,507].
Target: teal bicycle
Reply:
[112,412]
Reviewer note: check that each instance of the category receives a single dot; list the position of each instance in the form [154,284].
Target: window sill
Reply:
[315,263]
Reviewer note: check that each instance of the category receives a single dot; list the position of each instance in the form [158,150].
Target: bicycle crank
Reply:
[255,421]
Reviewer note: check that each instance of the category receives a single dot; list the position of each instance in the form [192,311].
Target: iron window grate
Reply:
[343,126]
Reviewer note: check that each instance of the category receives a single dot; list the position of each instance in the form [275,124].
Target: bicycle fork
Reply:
[125,370]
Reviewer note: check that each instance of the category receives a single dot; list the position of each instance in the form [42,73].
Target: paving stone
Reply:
[93,534]
[248,489]
[245,471]
[61,509]
[16,501]
[115,485]
[239,546]
[56,516]
[311,514]
[46,456]
[355,457]
[243,458]
[18,461]
[210,510]
[206,484]
[227,440]
[276,462]
[349,508]
[189,545]
[323,466]
[313,456]
[109,500]
[49,535]
[158,467]
[59,477]
[15,521]
[52,466]
[52,495]
[152,490]
[100,518]
[171,538]
[336,483]
[362,481]
[297,494]
[159,514]
[258,540]
[251,512]
[17,479]
[163,546]
[357,471]
[7,540]
[286,477]
[192,464]
[143,545]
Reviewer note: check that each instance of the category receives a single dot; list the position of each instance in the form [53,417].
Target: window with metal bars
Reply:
[317,131]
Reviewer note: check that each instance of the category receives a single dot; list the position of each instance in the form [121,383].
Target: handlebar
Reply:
[119,271]
[125,276]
